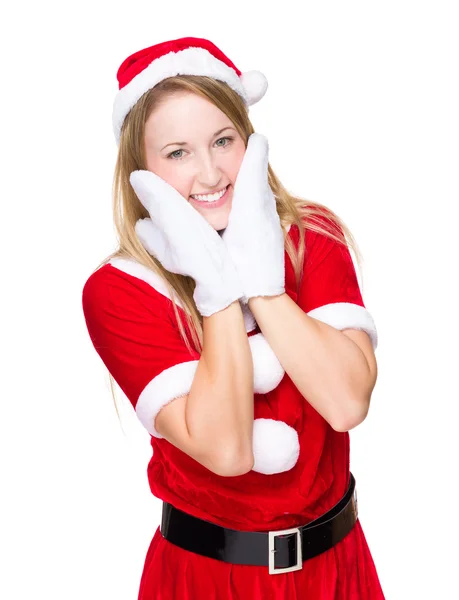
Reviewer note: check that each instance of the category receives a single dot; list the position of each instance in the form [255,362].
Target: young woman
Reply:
[232,319]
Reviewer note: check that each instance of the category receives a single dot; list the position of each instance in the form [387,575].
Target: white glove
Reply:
[254,235]
[185,243]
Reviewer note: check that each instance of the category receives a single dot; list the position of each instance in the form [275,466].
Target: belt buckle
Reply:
[271,537]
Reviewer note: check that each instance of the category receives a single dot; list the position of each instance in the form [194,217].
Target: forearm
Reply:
[219,410]
[328,368]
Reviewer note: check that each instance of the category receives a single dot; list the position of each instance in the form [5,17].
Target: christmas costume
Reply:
[132,325]
[301,467]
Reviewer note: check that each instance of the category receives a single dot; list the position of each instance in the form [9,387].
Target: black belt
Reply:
[282,551]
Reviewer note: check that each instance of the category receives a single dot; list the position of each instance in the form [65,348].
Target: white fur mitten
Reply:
[185,243]
[254,235]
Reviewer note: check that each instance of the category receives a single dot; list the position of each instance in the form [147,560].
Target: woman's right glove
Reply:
[185,243]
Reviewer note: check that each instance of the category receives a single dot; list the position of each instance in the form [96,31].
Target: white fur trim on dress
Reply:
[132,267]
[249,319]
[136,269]
[346,315]
[165,387]
[276,446]
[267,370]
[191,61]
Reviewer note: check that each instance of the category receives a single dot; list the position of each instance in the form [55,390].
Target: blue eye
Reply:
[174,152]
[230,139]
[173,156]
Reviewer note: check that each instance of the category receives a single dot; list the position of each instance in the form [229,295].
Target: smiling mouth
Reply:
[209,197]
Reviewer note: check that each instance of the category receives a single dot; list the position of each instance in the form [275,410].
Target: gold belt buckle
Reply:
[299,564]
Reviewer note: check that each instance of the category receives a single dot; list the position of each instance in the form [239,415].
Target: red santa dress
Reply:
[301,464]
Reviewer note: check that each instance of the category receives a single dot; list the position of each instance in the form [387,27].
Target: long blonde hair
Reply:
[127,209]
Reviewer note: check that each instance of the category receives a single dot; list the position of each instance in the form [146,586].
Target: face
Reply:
[194,146]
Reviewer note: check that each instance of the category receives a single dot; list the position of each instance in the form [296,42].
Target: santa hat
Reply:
[185,56]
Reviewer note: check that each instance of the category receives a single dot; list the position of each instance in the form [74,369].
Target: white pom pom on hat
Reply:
[142,70]
[255,85]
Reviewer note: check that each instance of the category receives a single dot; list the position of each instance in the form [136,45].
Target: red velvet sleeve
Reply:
[130,326]
[329,289]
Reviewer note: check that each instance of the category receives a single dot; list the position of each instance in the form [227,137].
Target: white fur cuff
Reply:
[267,370]
[345,315]
[168,385]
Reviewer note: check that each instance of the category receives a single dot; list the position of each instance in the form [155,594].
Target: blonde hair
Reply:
[127,209]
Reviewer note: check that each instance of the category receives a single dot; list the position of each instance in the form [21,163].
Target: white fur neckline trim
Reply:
[132,267]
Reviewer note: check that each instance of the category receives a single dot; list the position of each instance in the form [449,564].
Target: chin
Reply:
[217,217]
[219,222]
[221,226]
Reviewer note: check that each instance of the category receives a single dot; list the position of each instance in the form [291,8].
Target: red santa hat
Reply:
[185,56]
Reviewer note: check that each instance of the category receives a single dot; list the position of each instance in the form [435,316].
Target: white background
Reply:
[362,115]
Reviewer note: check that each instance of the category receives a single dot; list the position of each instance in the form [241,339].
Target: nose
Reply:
[208,172]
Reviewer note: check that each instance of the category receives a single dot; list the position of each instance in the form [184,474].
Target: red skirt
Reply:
[345,572]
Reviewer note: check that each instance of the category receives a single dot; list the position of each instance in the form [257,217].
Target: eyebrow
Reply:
[184,143]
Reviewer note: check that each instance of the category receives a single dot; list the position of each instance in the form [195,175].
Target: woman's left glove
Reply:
[254,235]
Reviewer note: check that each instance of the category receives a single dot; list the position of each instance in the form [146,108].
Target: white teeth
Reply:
[209,197]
